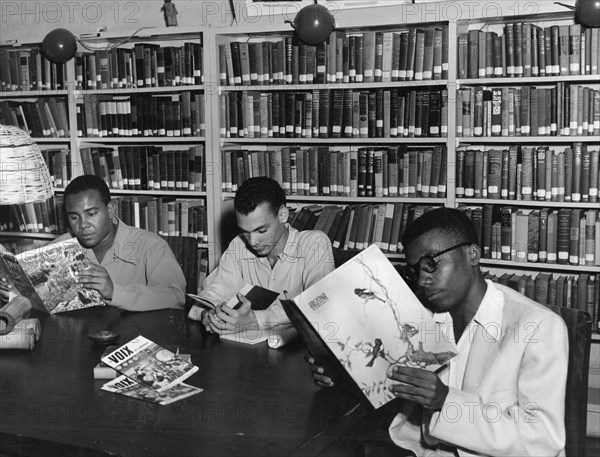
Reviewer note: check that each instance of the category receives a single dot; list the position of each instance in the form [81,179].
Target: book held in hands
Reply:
[364,315]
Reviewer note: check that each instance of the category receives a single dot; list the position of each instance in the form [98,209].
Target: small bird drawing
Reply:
[367,294]
[376,351]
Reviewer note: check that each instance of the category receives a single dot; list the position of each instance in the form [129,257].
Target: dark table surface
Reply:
[256,400]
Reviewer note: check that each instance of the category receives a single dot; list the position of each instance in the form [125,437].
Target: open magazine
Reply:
[126,386]
[47,276]
[149,364]
[369,320]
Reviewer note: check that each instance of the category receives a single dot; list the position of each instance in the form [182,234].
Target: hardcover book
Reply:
[377,322]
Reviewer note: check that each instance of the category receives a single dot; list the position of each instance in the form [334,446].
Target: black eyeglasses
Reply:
[427,263]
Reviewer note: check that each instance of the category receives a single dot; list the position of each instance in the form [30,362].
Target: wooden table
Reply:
[256,400]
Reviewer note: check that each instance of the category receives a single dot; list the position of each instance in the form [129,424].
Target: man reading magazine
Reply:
[269,253]
[504,393]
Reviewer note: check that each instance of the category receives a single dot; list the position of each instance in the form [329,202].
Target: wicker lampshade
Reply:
[24,176]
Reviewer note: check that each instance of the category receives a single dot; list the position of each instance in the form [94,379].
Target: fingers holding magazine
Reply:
[418,385]
[318,372]
[97,278]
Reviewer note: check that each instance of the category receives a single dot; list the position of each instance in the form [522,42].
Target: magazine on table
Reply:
[365,316]
[149,364]
[47,276]
[124,385]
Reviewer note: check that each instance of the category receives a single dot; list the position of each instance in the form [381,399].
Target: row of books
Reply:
[561,110]
[145,167]
[173,115]
[341,113]
[349,172]
[571,291]
[28,69]
[165,216]
[528,173]
[40,217]
[46,117]
[145,65]
[416,54]
[526,49]
[358,226]
[562,236]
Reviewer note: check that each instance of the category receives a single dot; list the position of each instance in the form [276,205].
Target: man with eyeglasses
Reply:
[504,393]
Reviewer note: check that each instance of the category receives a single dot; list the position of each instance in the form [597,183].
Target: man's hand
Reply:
[228,320]
[420,386]
[5,289]
[317,372]
[97,278]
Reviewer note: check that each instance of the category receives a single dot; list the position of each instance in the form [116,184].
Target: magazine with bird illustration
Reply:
[370,320]
[48,277]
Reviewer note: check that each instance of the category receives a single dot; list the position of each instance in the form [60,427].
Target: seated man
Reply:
[504,393]
[268,253]
[133,269]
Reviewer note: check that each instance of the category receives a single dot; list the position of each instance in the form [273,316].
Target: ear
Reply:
[283,214]
[111,209]
[474,254]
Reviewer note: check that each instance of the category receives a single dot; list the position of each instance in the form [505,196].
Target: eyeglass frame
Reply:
[412,269]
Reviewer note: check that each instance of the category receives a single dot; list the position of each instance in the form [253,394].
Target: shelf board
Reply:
[362,141]
[65,139]
[528,139]
[137,90]
[143,139]
[570,269]
[176,193]
[332,199]
[33,93]
[325,86]
[536,203]
[29,235]
[527,80]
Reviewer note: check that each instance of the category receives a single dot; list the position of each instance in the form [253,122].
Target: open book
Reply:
[364,318]
[149,364]
[47,277]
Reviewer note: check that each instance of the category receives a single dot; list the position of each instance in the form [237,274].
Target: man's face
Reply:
[261,229]
[89,218]
[446,287]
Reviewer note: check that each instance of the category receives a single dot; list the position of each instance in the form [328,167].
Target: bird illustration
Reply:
[376,352]
[367,294]
[409,330]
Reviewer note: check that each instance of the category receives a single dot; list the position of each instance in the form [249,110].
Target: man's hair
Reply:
[88,182]
[451,221]
[255,191]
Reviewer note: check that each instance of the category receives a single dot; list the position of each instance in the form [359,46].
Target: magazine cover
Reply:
[13,272]
[52,270]
[128,387]
[150,364]
[371,320]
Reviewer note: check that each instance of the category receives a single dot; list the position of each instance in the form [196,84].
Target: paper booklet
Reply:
[47,275]
[368,318]
[260,297]
[127,386]
[149,364]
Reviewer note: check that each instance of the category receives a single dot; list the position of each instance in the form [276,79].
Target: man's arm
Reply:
[165,287]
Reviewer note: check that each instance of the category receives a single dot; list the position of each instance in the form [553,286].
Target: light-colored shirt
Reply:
[143,269]
[306,258]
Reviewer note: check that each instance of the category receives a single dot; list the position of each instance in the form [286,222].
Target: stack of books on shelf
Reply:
[524,49]
[580,291]
[165,215]
[355,227]
[45,117]
[387,171]
[558,110]
[147,167]
[40,217]
[335,113]
[546,235]
[28,70]
[145,65]
[172,115]
[527,173]
[415,54]
[58,161]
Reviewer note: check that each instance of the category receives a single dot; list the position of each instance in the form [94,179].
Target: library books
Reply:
[335,113]
[39,217]
[540,235]
[562,109]
[414,54]
[528,172]
[28,70]
[385,171]
[166,115]
[523,49]
[44,118]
